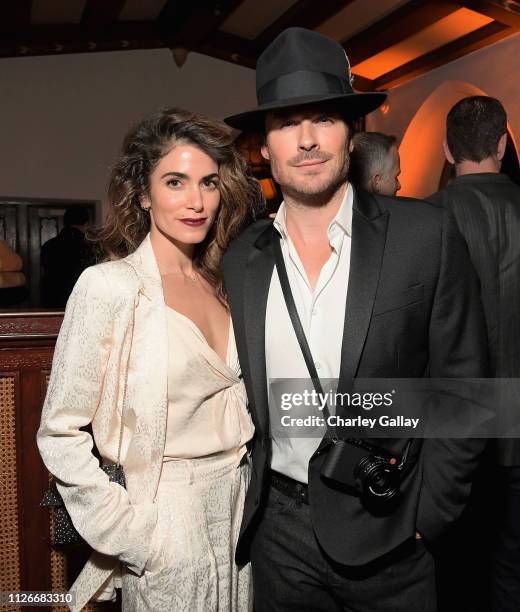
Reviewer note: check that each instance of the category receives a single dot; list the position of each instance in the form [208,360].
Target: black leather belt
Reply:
[290,487]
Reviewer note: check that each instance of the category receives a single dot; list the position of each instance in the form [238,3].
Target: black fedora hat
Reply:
[304,67]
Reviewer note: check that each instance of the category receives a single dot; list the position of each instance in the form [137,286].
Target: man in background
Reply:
[374,163]
[64,258]
[486,207]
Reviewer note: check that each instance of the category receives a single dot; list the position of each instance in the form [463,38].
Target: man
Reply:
[64,257]
[382,290]
[486,206]
[374,164]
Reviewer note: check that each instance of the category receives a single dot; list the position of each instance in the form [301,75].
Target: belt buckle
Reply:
[301,491]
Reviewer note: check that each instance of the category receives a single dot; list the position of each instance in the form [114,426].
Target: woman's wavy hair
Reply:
[241,199]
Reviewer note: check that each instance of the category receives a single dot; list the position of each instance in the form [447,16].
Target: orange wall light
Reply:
[457,24]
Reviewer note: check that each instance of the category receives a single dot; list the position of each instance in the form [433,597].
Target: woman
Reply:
[146,354]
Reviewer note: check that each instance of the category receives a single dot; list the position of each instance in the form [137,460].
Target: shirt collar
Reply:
[343,218]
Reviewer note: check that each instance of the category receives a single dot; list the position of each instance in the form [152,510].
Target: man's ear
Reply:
[502,146]
[447,152]
[350,146]
[375,183]
[265,151]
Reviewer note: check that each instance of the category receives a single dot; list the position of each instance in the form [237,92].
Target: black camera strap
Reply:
[298,328]
[304,345]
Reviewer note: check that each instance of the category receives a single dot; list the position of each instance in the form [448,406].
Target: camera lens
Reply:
[377,477]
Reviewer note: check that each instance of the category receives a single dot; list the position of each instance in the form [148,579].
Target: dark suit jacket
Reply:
[412,310]
[486,208]
[63,259]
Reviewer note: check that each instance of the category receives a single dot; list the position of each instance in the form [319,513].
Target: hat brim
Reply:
[355,105]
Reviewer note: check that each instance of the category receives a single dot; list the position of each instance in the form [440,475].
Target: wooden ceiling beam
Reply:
[197,23]
[50,34]
[230,48]
[99,14]
[362,83]
[73,38]
[77,46]
[304,14]
[15,16]
[396,27]
[473,41]
[492,9]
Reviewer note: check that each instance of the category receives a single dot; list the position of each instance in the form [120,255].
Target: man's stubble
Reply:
[304,194]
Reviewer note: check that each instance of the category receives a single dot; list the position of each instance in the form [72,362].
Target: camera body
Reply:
[371,471]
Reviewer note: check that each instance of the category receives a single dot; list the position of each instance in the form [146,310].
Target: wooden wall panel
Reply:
[28,562]
[10,571]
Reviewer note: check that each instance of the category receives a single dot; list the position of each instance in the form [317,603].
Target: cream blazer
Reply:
[111,358]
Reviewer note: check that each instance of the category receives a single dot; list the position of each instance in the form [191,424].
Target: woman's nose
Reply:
[196,202]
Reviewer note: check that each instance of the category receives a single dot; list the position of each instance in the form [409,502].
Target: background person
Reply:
[486,207]
[375,165]
[64,257]
[12,278]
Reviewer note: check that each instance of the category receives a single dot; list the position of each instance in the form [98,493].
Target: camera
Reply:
[371,471]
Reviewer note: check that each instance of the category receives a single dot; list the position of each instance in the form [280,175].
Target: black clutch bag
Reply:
[64,531]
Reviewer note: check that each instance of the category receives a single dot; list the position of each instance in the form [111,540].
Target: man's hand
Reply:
[418,536]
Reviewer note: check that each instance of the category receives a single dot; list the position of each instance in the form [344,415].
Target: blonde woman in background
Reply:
[12,279]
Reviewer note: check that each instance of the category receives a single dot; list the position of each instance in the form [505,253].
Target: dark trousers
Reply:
[506,571]
[464,554]
[292,573]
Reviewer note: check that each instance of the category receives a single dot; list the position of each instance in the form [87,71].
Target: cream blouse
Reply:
[207,402]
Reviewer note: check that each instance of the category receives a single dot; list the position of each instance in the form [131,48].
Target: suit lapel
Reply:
[369,228]
[259,270]
[368,244]
[151,333]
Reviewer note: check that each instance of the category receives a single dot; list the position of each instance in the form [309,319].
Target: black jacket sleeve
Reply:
[458,349]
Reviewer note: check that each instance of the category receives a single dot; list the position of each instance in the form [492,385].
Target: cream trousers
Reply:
[191,566]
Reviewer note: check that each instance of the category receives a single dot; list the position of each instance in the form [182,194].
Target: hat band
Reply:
[302,83]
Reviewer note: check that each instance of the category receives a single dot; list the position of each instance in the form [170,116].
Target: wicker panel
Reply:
[9,535]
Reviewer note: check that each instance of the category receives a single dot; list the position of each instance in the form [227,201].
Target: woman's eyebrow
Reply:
[181,175]
[176,174]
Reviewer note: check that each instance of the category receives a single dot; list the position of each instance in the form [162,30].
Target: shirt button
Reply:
[314,312]
[318,365]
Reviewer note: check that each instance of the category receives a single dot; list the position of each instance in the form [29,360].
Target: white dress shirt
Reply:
[322,313]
